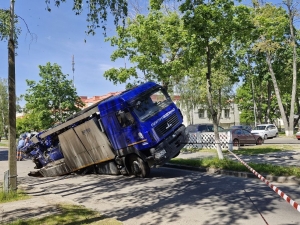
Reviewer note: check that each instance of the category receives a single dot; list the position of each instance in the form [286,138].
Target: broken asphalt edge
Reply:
[270,178]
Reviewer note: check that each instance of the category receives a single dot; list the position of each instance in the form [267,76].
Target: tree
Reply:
[292,11]
[12,102]
[154,45]
[272,24]
[3,106]
[52,99]
[213,27]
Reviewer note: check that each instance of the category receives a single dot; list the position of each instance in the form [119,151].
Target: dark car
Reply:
[244,137]
[203,127]
[246,127]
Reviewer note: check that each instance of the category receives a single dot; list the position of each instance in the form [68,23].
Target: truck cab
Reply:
[143,123]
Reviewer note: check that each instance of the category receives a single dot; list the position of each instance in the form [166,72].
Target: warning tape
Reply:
[274,188]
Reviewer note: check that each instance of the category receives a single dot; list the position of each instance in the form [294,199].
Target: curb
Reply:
[271,178]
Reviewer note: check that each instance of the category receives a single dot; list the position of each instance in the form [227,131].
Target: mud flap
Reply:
[109,168]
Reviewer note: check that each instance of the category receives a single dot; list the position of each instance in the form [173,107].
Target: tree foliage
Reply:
[97,11]
[3,107]
[51,100]
[154,45]
[5,26]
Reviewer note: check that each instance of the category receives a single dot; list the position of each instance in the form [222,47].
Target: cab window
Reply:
[125,118]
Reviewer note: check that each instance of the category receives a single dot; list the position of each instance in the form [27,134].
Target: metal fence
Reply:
[206,140]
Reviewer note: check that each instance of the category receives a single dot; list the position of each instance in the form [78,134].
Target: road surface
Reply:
[171,196]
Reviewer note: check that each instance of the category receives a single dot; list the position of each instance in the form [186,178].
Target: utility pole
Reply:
[12,160]
[73,69]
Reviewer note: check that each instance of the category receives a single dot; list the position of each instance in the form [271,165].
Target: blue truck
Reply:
[138,129]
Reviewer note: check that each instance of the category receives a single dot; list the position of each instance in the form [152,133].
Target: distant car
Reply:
[246,127]
[298,135]
[203,127]
[245,137]
[266,130]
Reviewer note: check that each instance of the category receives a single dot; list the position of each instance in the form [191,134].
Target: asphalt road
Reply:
[171,196]
[282,140]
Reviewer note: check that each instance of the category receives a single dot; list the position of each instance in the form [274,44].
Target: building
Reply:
[92,100]
[229,116]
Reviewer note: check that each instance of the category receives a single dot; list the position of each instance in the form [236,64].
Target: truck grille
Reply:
[165,126]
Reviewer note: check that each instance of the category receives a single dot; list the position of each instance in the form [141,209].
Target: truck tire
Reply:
[138,167]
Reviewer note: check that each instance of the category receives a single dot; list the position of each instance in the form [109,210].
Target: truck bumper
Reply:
[169,148]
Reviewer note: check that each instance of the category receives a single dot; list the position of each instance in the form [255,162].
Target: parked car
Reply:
[243,137]
[298,135]
[266,130]
[203,127]
[246,127]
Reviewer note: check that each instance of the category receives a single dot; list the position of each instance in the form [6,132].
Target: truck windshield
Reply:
[149,104]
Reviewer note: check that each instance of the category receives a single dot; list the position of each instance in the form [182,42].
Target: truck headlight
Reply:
[141,136]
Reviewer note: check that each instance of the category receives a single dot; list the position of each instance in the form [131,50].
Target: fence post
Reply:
[199,140]
[6,181]
[230,144]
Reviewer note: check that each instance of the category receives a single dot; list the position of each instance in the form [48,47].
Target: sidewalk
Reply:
[36,207]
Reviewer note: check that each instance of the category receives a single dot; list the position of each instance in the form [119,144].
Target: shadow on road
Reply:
[166,196]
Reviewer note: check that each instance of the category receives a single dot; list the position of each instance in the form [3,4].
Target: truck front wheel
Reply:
[138,167]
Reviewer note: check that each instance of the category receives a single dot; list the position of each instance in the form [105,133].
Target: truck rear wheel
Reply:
[138,167]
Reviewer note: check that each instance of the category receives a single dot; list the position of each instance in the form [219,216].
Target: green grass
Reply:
[72,215]
[4,143]
[12,196]
[198,150]
[228,164]
[255,151]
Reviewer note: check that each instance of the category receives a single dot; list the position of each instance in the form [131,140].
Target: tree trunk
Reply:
[12,104]
[213,112]
[298,113]
[277,93]
[290,131]
[269,103]
[254,103]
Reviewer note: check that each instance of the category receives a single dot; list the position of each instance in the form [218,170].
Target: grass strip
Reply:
[255,151]
[71,215]
[228,164]
[12,196]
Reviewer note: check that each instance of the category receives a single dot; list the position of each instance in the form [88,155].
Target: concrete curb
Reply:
[270,178]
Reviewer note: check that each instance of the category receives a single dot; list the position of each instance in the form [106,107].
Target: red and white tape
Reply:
[274,188]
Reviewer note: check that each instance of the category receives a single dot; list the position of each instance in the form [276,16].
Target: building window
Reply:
[226,113]
[201,113]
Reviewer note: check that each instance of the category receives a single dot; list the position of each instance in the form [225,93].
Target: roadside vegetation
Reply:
[228,164]
[12,196]
[67,214]
[235,165]
[70,214]
[4,143]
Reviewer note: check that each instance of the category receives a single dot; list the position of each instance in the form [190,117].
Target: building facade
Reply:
[230,116]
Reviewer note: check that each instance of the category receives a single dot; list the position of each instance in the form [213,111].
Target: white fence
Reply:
[207,140]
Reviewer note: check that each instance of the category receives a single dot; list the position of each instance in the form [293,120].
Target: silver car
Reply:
[265,130]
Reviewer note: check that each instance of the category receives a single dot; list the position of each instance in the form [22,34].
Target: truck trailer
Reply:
[138,129]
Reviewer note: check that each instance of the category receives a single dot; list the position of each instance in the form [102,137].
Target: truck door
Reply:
[128,129]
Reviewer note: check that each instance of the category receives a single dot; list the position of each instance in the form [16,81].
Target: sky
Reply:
[59,35]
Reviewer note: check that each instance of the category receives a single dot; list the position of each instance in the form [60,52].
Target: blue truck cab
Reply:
[127,134]
[143,122]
